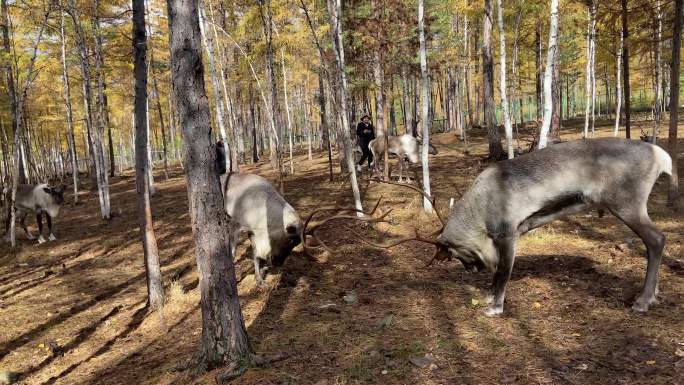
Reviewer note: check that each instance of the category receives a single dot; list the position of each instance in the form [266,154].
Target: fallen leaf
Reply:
[474,301]
[650,362]
[536,305]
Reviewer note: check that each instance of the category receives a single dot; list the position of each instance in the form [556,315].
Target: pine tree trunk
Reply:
[155,289]
[224,337]
[673,190]
[494,138]
[427,205]
[502,82]
[548,75]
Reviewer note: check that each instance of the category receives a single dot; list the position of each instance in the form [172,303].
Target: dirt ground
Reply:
[359,316]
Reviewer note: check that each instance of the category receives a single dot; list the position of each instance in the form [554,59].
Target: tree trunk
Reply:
[69,112]
[538,67]
[325,130]
[287,108]
[155,289]
[502,82]
[673,191]
[379,75]
[98,144]
[625,65]
[618,87]
[208,41]
[427,205]
[466,72]
[658,71]
[495,148]
[274,110]
[335,10]
[224,337]
[589,85]
[157,96]
[548,75]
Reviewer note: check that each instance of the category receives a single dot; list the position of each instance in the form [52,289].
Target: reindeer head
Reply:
[432,150]
[57,193]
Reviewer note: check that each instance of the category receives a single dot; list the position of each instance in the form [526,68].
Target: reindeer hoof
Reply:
[494,311]
[52,237]
[41,240]
[30,237]
[641,305]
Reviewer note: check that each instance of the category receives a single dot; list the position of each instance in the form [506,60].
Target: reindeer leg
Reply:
[637,219]
[506,248]
[39,219]
[51,237]
[22,222]
[401,170]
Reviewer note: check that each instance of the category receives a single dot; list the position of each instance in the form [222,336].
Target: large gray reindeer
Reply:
[515,196]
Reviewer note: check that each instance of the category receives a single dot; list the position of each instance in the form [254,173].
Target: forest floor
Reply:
[358,316]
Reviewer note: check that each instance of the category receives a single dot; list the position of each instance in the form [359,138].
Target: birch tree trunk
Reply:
[274,110]
[155,289]
[208,41]
[673,190]
[618,87]
[98,132]
[69,112]
[548,75]
[224,337]
[427,205]
[625,65]
[287,107]
[588,84]
[538,68]
[502,82]
[335,11]
[495,148]
[658,71]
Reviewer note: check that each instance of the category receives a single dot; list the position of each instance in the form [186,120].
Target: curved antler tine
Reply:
[416,237]
[421,192]
[377,204]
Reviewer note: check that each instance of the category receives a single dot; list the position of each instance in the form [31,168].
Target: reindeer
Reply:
[37,199]
[273,226]
[514,196]
[405,147]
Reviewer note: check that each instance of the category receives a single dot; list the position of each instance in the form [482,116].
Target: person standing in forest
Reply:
[365,133]
[220,157]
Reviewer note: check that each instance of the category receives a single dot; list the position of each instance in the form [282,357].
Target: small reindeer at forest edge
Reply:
[517,195]
[405,147]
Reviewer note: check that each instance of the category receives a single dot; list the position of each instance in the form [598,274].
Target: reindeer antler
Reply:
[439,253]
[423,193]
[366,217]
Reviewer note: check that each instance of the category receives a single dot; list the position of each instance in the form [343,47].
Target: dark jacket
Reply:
[220,158]
[366,137]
